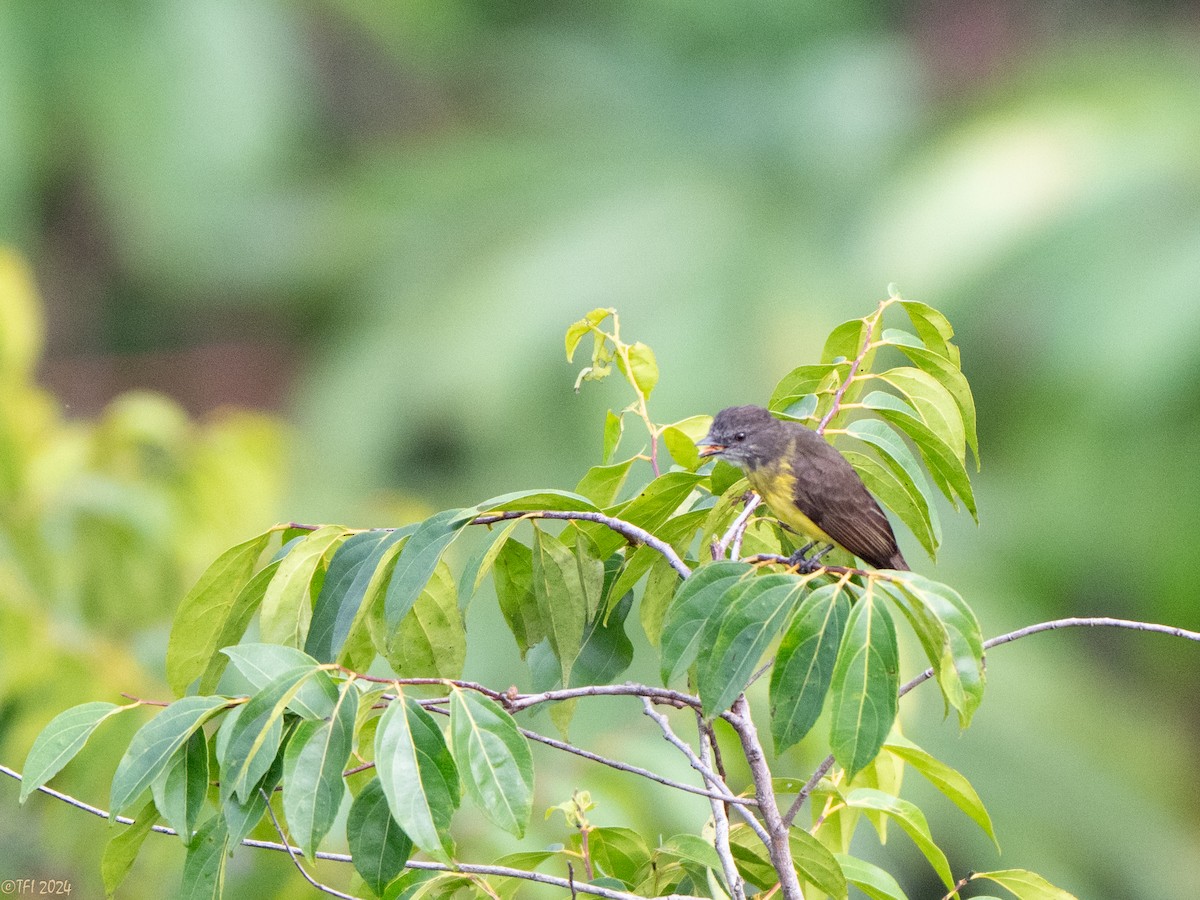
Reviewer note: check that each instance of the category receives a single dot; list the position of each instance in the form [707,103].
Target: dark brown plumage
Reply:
[807,483]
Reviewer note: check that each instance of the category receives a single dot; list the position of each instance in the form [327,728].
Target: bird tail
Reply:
[897,562]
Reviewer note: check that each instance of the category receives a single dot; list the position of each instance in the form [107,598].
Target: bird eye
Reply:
[740,436]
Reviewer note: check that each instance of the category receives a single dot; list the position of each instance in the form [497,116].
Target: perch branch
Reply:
[626,529]
[1073,622]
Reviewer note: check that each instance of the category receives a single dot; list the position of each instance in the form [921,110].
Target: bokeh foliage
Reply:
[732,177]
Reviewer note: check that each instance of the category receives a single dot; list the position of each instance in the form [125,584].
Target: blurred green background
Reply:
[339,243]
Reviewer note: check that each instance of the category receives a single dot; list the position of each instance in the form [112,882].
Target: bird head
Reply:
[742,435]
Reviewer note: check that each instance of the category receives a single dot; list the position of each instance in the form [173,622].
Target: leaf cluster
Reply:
[293,723]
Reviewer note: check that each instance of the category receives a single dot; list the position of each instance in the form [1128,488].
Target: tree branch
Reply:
[841,391]
[776,832]
[467,868]
[628,689]
[999,640]
[710,777]
[779,845]
[737,889]
[291,852]
[626,529]
[733,536]
[724,797]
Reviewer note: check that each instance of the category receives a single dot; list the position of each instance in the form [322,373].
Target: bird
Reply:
[806,482]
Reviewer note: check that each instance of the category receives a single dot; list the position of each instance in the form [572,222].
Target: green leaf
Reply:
[244,608]
[123,847]
[950,782]
[431,640]
[692,848]
[62,738]
[680,440]
[493,758]
[815,864]
[602,484]
[204,866]
[873,881]
[591,574]
[606,651]
[724,477]
[802,381]
[260,664]
[241,817]
[418,775]
[419,558]
[678,532]
[866,678]
[180,790]
[312,771]
[204,612]
[911,819]
[900,461]
[697,600]
[474,573]
[614,425]
[561,597]
[522,501]
[154,744]
[932,328]
[514,590]
[343,592]
[1026,885]
[934,405]
[803,667]
[642,368]
[959,661]
[257,733]
[656,598]
[650,510]
[620,853]
[845,341]
[753,861]
[751,615]
[287,604]
[948,471]
[948,374]
[579,330]
[378,845]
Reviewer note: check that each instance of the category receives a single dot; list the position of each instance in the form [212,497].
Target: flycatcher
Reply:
[807,483]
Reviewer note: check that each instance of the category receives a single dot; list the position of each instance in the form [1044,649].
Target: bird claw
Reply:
[805,564]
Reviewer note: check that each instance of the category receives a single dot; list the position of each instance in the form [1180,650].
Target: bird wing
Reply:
[830,492]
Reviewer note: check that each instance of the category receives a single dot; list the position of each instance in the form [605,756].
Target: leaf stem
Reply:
[871,321]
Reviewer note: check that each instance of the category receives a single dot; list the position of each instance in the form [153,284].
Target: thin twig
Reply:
[723,797]
[291,851]
[628,689]
[737,890]
[733,535]
[779,845]
[837,397]
[1073,622]
[620,526]
[809,787]
[466,868]
[710,777]
[738,717]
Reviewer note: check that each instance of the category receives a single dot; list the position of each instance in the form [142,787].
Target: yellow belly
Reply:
[776,485]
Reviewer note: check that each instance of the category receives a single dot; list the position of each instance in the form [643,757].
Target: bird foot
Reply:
[805,564]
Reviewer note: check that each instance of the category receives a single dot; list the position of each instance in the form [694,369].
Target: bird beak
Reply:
[707,450]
